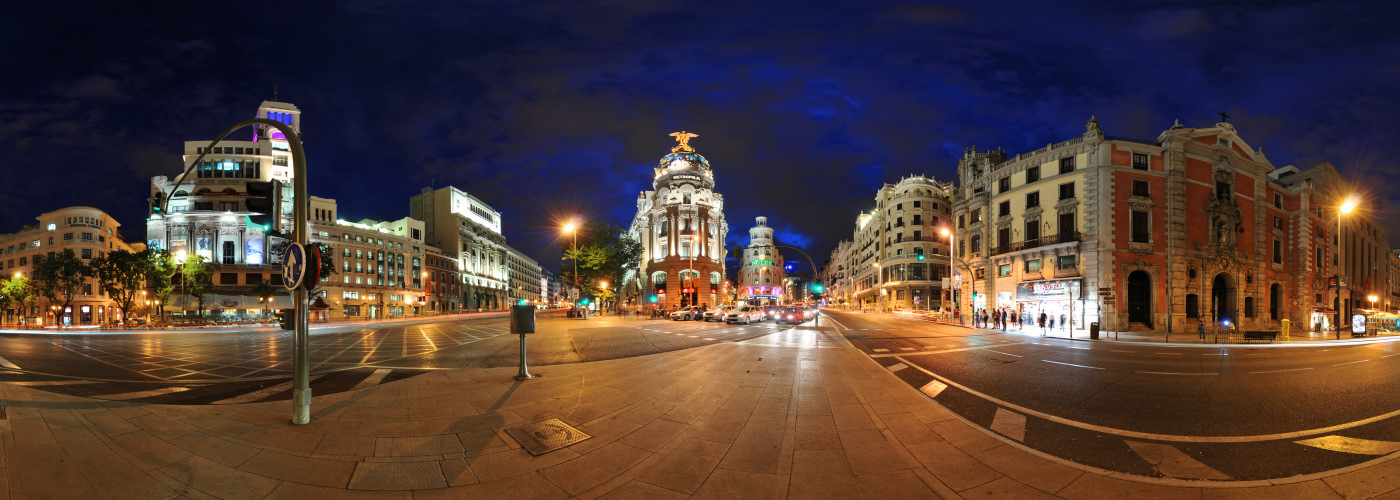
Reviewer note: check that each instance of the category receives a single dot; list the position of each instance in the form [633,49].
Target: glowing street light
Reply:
[572,229]
[1348,205]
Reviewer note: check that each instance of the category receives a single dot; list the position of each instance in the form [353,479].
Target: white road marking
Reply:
[708,338]
[1355,446]
[1389,355]
[881,350]
[1351,362]
[1010,424]
[1281,371]
[933,388]
[57,382]
[896,367]
[1117,350]
[1074,365]
[7,364]
[906,348]
[1167,353]
[1080,348]
[1172,462]
[142,394]
[1174,373]
[373,379]
[1004,353]
[261,393]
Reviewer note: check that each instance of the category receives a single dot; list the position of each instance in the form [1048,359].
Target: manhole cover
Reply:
[546,436]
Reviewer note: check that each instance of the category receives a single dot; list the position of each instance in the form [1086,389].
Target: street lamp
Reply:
[1347,207]
[571,229]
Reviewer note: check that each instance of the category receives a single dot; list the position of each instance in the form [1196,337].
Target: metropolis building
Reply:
[680,225]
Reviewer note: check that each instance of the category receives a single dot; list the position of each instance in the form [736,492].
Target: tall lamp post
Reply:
[1347,206]
[953,256]
[1373,298]
[573,230]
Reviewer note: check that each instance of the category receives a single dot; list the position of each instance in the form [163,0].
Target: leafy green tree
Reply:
[605,253]
[60,276]
[265,290]
[5,301]
[123,275]
[197,275]
[160,269]
[20,290]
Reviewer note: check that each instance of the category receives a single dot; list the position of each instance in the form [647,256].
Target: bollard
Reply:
[522,322]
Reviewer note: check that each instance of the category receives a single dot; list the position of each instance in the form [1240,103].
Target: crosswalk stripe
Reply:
[259,394]
[1010,424]
[1355,446]
[142,394]
[933,388]
[881,350]
[373,379]
[896,367]
[7,364]
[56,382]
[1172,462]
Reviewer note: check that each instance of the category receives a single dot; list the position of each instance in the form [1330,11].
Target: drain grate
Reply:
[546,436]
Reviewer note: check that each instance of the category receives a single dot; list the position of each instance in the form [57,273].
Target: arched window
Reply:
[180,194]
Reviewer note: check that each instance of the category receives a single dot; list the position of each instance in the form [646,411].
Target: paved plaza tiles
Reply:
[795,414]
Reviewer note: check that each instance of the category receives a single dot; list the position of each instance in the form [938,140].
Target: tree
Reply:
[160,269]
[197,274]
[265,290]
[605,253]
[20,290]
[5,300]
[123,275]
[61,275]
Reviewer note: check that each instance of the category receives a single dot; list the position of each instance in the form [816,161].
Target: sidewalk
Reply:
[795,414]
[1177,338]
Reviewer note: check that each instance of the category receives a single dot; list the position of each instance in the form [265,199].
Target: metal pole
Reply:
[1339,274]
[524,369]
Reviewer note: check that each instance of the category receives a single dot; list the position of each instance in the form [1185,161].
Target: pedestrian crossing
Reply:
[212,393]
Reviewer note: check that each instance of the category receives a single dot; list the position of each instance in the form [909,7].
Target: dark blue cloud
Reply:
[551,109]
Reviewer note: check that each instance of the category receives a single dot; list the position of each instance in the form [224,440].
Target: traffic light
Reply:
[921,256]
[652,299]
[584,301]
[520,302]
[155,204]
[287,319]
[817,288]
[265,200]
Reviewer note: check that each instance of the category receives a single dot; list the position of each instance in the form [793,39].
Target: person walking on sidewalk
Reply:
[1004,318]
[1201,327]
[1042,324]
[1064,325]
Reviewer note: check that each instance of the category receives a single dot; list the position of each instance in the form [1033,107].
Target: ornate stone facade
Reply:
[761,276]
[680,225]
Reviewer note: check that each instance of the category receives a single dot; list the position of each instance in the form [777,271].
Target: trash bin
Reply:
[522,320]
[1094,330]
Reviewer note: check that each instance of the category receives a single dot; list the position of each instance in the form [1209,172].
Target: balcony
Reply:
[1054,239]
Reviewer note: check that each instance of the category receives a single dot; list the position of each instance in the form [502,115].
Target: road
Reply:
[252,365]
[1239,412]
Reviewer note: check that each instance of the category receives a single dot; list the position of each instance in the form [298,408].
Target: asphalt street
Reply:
[1239,411]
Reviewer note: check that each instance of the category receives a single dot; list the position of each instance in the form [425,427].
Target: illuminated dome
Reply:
[684,160]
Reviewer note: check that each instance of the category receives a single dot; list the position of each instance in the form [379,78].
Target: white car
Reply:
[687,313]
[717,314]
[745,315]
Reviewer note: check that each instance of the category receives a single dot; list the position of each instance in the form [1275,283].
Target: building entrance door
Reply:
[1140,298]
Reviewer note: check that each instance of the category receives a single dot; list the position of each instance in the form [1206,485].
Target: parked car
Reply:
[688,313]
[717,313]
[745,315]
[791,314]
[771,312]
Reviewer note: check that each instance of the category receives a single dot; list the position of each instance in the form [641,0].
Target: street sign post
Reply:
[293,266]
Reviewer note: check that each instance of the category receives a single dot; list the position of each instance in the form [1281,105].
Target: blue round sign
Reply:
[293,266]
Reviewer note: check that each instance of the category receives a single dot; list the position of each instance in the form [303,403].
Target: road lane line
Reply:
[933,388]
[1355,446]
[7,364]
[57,382]
[897,367]
[261,393]
[141,394]
[1174,373]
[1172,462]
[1005,353]
[1010,424]
[881,350]
[373,379]
[1080,348]
[1070,364]
[1351,362]
[1389,355]
[1281,371]
[1167,353]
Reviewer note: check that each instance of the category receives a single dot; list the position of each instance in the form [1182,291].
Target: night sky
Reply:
[550,109]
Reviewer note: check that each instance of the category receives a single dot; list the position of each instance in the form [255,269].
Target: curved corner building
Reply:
[680,224]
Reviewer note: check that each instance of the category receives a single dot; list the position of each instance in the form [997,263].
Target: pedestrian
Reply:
[1052,323]
[1042,323]
[1003,319]
[1201,327]
[1064,325]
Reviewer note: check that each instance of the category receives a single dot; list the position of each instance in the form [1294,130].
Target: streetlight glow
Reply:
[1349,205]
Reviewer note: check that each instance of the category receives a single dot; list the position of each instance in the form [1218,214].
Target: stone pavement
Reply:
[796,414]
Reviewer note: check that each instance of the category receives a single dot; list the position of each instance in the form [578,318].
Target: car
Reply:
[717,313]
[687,313]
[791,314]
[744,314]
[771,312]
[809,312]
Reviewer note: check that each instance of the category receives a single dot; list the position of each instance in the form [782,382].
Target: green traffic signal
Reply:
[652,299]
[921,257]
